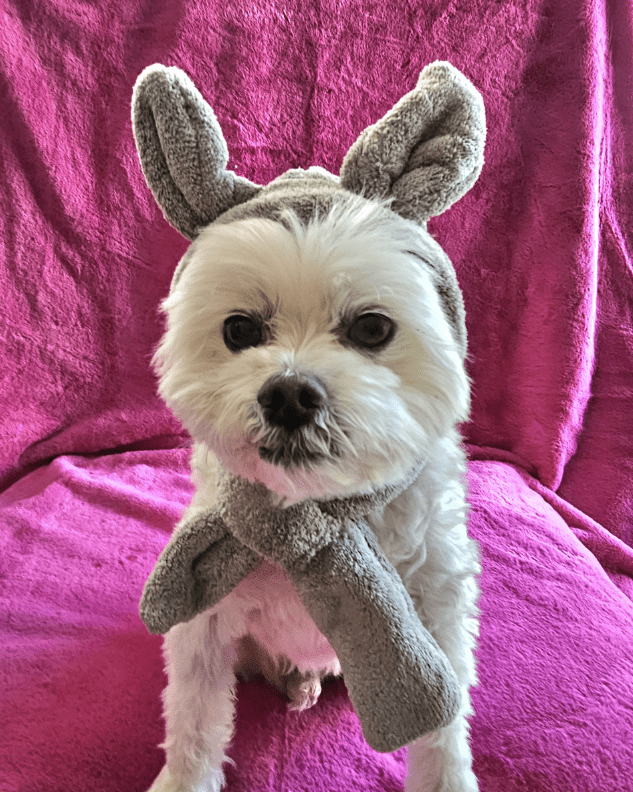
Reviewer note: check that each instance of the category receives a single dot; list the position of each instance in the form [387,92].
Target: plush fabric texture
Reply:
[348,586]
[183,151]
[424,155]
[427,151]
[93,472]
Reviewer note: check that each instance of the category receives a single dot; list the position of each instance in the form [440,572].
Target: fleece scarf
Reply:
[399,681]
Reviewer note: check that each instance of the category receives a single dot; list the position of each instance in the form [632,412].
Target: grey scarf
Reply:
[399,680]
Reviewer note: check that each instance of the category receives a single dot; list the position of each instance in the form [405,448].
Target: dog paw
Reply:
[165,782]
[303,690]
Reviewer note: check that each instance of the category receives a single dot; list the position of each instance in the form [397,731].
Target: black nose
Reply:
[291,400]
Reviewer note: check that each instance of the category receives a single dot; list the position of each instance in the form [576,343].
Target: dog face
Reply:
[316,359]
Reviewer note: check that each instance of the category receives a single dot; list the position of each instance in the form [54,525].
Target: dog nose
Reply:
[291,400]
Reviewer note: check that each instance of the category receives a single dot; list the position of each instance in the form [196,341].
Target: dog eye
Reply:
[242,332]
[371,330]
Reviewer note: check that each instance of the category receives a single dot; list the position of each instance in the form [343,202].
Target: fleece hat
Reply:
[420,158]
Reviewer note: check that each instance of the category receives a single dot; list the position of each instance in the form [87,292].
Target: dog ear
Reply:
[427,151]
[183,152]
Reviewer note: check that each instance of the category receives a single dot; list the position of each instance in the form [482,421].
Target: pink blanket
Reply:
[94,469]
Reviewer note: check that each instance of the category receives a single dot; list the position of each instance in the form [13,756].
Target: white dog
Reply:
[318,357]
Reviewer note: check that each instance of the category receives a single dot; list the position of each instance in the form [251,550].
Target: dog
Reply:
[320,353]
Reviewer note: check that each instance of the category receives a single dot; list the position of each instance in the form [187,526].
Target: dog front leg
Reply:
[198,707]
[442,761]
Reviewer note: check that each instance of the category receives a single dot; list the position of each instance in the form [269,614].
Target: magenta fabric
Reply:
[94,468]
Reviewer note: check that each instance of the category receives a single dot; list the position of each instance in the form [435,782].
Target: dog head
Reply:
[313,357]
[315,331]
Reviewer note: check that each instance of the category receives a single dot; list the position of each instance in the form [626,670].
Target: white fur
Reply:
[387,410]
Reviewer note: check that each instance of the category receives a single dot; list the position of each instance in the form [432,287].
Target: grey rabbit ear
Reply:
[183,152]
[427,151]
